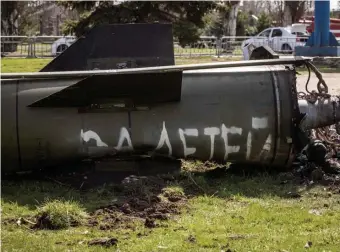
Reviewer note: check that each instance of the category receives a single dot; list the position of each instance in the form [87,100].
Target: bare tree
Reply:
[279,15]
[294,11]
[9,17]
[231,18]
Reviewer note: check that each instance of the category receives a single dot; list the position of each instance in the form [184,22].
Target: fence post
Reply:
[31,47]
[218,47]
[29,52]
[34,44]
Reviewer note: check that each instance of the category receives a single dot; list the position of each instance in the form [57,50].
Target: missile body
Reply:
[243,114]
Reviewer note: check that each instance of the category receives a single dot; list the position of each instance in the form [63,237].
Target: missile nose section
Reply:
[319,112]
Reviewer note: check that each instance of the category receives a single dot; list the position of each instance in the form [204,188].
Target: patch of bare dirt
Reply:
[142,200]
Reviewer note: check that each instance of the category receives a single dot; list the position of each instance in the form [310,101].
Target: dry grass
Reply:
[225,211]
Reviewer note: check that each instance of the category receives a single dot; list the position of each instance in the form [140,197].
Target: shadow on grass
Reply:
[96,188]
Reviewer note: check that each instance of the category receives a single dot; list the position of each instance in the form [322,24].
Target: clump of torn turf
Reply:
[173,193]
[58,214]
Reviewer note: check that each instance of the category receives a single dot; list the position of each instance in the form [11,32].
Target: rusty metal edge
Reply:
[295,117]
[277,113]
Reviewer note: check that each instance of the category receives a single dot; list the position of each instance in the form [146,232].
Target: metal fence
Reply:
[51,46]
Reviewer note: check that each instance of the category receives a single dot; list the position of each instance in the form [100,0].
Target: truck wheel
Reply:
[286,49]
[61,48]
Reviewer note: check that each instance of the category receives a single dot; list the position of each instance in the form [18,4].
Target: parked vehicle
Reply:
[298,29]
[62,44]
[279,39]
[334,25]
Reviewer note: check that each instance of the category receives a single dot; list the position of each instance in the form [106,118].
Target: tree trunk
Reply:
[9,25]
[9,19]
[230,24]
[293,11]
[287,16]
[231,20]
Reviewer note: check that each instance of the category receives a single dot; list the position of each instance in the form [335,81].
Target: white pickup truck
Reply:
[280,39]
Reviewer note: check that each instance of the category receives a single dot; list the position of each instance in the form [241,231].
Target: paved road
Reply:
[332,81]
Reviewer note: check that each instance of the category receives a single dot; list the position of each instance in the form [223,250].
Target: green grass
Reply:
[11,65]
[235,212]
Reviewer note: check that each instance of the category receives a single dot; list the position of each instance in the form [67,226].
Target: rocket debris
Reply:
[241,112]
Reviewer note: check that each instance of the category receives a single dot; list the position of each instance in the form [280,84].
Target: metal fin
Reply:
[138,88]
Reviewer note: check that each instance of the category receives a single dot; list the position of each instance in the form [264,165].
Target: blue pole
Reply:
[321,42]
[321,23]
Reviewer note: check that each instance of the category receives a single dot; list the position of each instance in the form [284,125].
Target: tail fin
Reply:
[118,46]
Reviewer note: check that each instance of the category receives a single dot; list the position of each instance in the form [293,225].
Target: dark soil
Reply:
[141,201]
[44,222]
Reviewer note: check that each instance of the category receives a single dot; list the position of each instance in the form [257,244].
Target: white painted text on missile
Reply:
[164,139]
[124,136]
[88,135]
[125,142]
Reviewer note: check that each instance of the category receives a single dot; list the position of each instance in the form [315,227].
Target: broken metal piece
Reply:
[316,152]
[323,112]
[263,52]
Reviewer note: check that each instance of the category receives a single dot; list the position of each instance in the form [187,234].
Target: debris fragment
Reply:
[191,238]
[308,244]
[319,160]
[237,236]
[106,242]
[314,211]
[162,247]
[317,174]
[293,195]
[22,220]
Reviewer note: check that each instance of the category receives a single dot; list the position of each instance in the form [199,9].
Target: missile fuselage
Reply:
[243,114]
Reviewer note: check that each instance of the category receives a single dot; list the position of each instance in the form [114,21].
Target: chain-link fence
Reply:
[51,46]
